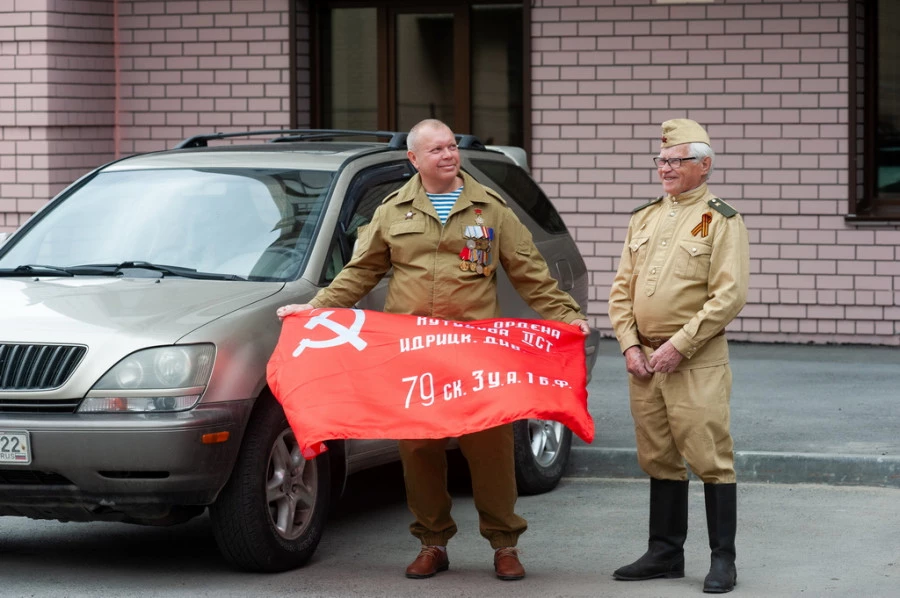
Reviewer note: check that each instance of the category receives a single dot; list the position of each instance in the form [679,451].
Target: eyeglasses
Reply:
[673,162]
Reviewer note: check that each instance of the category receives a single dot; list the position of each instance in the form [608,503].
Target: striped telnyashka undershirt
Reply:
[443,203]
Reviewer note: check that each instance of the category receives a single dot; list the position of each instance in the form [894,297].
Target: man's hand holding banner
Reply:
[347,373]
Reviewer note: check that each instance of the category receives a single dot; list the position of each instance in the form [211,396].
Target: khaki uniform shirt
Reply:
[680,278]
[406,234]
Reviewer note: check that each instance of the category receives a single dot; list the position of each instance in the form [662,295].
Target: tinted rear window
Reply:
[516,183]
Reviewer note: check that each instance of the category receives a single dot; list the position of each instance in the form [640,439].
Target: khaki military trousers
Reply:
[684,416]
[492,467]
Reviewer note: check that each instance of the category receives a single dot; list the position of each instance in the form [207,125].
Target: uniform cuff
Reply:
[687,346]
[629,340]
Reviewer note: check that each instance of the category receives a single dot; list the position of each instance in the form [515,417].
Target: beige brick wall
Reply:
[770,82]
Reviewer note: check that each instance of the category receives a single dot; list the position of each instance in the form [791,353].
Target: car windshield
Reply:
[254,224]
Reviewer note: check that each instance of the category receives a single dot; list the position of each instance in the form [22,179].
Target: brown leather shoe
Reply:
[431,560]
[507,565]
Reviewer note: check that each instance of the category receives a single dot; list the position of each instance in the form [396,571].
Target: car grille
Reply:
[37,367]
[39,406]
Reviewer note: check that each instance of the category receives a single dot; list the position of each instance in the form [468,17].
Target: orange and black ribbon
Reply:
[702,229]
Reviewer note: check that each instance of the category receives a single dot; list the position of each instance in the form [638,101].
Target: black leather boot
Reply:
[721,519]
[668,531]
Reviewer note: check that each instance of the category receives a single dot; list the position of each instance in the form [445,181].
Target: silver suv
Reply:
[137,314]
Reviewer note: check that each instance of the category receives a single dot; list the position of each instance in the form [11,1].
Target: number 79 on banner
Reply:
[426,391]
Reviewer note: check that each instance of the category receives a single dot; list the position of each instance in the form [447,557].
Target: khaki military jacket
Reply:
[683,275]
[428,277]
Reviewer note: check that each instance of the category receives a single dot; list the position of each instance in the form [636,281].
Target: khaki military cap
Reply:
[682,130]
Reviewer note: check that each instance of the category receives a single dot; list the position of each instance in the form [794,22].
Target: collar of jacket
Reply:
[689,196]
[473,193]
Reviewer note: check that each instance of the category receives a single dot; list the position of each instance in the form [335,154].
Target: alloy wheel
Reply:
[291,485]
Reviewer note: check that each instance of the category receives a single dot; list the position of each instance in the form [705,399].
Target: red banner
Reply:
[349,373]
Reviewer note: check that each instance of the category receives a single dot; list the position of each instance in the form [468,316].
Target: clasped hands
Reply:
[664,360]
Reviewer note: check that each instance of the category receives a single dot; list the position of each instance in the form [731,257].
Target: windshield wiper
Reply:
[113,270]
[35,270]
[118,270]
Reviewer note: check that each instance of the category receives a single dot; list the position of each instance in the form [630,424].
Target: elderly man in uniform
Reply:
[419,230]
[682,278]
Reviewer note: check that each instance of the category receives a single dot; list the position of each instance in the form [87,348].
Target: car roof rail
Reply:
[469,142]
[397,140]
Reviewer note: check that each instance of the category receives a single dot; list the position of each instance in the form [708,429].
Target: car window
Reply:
[251,223]
[520,187]
[369,188]
[366,192]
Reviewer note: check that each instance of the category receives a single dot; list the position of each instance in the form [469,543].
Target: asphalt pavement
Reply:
[802,540]
[799,414]
[818,457]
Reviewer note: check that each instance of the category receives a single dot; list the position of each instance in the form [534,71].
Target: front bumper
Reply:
[104,466]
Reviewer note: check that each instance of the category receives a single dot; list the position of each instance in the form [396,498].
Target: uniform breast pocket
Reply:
[638,247]
[407,239]
[692,261]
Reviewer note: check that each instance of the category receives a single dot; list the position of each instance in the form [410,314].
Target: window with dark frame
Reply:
[387,64]
[874,110]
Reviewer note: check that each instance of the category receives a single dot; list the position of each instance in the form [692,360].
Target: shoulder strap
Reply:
[721,207]
[494,194]
[648,204]
[391,196]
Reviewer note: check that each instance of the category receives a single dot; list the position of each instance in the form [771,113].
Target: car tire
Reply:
[271,514]
[542,453]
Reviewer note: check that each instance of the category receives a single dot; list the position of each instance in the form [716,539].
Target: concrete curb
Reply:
[779,468]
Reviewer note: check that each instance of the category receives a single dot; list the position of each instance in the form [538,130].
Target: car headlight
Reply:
[153,380]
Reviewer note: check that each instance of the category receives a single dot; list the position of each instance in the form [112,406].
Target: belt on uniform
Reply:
[656,343]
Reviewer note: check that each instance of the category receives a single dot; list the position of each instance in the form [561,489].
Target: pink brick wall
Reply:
[770,81]
[56,100]
[190,67]
[184,67]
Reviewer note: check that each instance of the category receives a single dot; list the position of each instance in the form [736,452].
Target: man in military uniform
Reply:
[444,235]
[682,278]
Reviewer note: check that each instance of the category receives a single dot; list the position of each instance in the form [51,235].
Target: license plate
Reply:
[15,447]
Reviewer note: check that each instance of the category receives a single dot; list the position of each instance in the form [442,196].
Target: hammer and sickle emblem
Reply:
[343,334]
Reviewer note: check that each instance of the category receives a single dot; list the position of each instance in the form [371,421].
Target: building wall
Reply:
[56,99]
[83,81]
[303,64]
[190,67]
[769,80]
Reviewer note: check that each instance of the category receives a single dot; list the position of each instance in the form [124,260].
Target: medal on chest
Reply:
[475,255]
